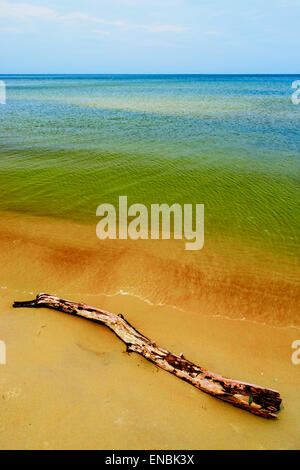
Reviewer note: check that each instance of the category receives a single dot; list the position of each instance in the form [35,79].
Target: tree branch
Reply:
[258,400]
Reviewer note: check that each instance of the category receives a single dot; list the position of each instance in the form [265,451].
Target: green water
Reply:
[70,143]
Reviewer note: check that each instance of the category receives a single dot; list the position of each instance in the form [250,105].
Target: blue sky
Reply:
[150,36]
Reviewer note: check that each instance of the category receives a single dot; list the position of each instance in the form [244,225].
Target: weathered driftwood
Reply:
[257,400]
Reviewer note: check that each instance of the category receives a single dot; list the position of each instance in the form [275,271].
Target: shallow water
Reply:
[70,143]
[68,383]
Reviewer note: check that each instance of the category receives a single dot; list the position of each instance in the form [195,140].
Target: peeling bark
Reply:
[258,400]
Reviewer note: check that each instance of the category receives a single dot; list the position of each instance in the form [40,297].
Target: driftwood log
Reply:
[258,400]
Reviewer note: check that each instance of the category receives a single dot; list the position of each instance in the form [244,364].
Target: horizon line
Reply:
[152,74]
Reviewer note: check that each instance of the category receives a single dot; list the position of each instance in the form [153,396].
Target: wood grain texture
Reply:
[258,400]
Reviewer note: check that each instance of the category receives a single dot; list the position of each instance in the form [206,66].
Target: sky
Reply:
[150,36]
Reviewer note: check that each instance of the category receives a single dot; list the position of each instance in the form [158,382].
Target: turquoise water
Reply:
[70,143]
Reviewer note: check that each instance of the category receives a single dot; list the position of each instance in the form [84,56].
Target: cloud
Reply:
[77,16]
[165,28]
[150,3]
[210,33]
[101,31]
[23,11]
[8,29]
[290,3]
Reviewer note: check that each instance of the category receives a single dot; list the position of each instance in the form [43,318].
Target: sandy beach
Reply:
[149,184]
[68,383]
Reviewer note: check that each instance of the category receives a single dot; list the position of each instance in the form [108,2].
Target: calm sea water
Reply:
[70,143]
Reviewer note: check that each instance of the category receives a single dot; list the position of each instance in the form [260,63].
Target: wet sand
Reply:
[68,383]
